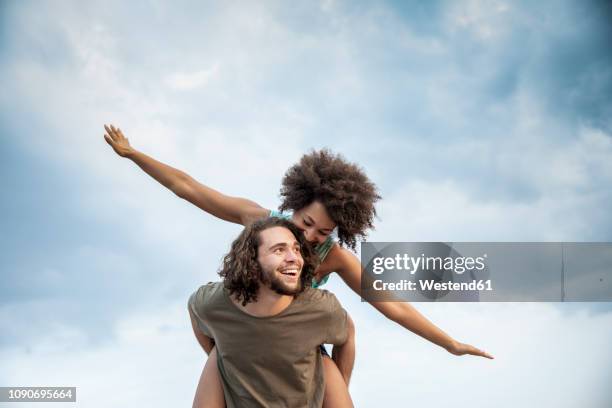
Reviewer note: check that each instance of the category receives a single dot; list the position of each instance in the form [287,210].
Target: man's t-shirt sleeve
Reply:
[197,305]
[337,331]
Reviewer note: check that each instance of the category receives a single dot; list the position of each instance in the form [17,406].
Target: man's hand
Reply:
[117,141]
[460,349]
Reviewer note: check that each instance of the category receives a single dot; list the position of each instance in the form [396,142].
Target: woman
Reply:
[324,193]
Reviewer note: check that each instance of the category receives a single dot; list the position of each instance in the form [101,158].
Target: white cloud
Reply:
[152,360]
[444,211]
[485,20]
[190,80]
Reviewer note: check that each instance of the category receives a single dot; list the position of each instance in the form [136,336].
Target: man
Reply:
[267,323]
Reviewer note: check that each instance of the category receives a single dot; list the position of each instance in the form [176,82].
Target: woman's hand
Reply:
[117,141]
[460,349]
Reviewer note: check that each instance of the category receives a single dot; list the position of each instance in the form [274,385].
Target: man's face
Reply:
[281,260]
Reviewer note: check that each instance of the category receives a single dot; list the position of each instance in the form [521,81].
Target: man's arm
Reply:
[232,209]
[206,342]
[344,354]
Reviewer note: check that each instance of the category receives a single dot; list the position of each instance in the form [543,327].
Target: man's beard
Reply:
[280,287]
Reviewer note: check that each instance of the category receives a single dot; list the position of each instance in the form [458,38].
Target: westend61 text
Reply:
[425,285]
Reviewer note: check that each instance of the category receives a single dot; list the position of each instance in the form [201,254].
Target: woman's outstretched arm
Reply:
[233,209]
[349,268]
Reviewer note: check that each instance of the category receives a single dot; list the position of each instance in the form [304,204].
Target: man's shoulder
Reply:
[211,288]
[207,294]
[318,297]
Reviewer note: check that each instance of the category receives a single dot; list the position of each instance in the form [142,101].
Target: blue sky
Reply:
[479,121]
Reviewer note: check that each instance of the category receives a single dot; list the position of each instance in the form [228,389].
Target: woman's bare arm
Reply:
[233,209]
[349,269]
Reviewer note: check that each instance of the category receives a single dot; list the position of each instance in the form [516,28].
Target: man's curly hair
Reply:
[342,187]
[241,271]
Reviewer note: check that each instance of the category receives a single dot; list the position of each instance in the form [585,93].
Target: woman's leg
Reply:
[336,390]
[209,393]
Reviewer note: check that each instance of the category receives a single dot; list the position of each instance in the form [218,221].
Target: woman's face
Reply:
[314,221]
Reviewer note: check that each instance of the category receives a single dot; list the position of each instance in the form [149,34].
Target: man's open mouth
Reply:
[289,271]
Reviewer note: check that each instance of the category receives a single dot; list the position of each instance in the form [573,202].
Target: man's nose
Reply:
[291,256]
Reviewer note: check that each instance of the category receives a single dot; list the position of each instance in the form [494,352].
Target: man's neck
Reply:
[269,303]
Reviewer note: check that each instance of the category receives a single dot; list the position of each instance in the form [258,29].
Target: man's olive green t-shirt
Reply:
[271,361]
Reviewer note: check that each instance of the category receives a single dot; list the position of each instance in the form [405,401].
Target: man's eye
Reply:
[278,250]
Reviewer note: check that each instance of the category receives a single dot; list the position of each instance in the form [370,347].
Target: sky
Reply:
[477,120]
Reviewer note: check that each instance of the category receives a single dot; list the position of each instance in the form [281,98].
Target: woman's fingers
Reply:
[481,353]
[463,349]
[117,132]
[110,132]
[114,133]
[108,140]
[120,144]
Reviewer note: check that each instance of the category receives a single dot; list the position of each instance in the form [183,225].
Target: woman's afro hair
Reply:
[342,187]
